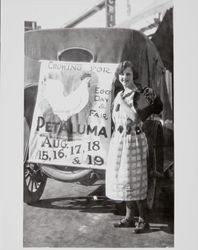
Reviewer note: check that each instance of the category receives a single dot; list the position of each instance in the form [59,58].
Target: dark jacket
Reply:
[154,108]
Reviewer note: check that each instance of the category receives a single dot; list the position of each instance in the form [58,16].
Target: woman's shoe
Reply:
[141,227]
[124,223]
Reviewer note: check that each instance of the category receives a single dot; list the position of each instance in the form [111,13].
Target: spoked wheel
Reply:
[154,133]
[34,183]
[34,179]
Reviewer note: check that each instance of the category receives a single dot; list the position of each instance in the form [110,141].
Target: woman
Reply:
[126,174]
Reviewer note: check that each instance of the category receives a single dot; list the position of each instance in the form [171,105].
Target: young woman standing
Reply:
[126,174]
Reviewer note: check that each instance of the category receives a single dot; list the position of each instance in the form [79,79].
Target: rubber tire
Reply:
[38,179]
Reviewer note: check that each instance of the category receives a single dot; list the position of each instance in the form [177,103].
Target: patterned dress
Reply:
[126,173]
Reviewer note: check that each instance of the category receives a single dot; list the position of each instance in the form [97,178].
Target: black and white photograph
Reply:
[93,127]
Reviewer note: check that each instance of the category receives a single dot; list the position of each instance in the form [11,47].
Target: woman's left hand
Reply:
[149,94]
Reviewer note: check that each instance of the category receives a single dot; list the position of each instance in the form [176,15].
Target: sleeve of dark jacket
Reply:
[154,108]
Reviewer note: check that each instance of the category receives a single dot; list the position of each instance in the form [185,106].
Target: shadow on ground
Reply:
[161,217]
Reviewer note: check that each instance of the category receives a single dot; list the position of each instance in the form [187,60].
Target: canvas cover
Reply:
[108,45]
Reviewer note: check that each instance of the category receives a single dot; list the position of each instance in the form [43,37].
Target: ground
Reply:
[72,215]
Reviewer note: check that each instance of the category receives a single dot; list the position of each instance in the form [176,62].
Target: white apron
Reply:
[126,173]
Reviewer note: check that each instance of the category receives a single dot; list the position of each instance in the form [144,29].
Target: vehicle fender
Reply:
[63,175]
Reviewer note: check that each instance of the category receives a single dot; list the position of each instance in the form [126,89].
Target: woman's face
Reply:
[126,78]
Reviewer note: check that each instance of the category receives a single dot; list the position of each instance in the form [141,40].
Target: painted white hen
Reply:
[66,106]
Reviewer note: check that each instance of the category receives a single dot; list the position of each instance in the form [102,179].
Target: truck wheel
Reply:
[34,183]
[154,133]
[34,179]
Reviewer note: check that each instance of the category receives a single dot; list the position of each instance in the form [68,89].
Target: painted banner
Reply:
[72,118]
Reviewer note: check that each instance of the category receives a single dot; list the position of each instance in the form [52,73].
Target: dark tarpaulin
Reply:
[163,39]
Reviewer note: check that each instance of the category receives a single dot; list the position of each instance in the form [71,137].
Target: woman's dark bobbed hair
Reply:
[122,66]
